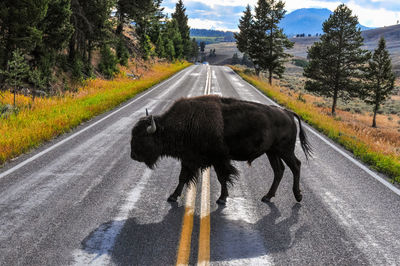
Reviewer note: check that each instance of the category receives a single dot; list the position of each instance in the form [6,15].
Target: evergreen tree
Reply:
[57,31]
[16,72]
[246,61]
[268,40]
[38,81]
[108,62]
[19,22]
[202,46]
[184,30]
[336,61]
[92,27]
[172,33]
[380,78]
[245,26]
[169,49]
[147,15]
[160,46]
[145,44]
[195,50]
[235,59]
[122,52]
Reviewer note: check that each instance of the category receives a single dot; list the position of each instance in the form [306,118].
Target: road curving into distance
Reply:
[81,200]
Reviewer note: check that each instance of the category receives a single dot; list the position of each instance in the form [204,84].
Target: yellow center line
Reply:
[204,236]
[187,227]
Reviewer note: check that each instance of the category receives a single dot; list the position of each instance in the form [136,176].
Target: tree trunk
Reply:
[33,95]
[90,53]
[270,77]
[14,96]
[119,29]
[376,108]
[72,49]
[335,95]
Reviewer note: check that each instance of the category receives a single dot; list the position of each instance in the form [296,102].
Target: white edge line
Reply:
[21,164]
[323,138]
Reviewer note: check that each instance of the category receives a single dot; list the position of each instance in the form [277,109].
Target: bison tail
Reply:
[305,144]
[233,175]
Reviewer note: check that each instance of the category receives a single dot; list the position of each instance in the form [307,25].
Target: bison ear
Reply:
[152,128]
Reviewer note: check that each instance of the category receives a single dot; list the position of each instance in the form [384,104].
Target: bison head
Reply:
[144,144]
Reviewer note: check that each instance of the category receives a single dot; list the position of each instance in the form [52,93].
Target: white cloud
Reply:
[222,2]
[168,10]
[208,24]
[374,17]
[368,16]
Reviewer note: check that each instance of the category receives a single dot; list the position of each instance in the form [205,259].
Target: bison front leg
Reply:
[187,174]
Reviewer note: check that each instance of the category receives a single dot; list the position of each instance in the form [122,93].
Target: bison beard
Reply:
[211,131]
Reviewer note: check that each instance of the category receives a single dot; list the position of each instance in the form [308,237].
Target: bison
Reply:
[211,131]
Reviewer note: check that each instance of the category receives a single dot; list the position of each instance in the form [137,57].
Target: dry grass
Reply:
[49,117]
[378,147]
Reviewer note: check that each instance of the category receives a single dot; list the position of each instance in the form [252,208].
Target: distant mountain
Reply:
[307,21]
[212,36]
[228,35]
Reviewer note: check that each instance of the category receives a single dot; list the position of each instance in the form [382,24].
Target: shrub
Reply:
[77,68]
[300,62]
[108,62]
[122,53]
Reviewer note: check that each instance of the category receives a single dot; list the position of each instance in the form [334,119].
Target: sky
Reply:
[225,14]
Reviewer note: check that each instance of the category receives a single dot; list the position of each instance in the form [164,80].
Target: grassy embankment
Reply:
[380,151]
[52,116]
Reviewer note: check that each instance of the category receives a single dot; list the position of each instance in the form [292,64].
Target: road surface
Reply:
[81,200]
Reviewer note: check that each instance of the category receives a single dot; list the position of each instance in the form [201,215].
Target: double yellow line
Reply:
[203,258]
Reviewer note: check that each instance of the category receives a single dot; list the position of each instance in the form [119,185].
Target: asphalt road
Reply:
[81,200]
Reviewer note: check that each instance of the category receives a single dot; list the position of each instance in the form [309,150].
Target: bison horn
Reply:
[147,112]
[151,129]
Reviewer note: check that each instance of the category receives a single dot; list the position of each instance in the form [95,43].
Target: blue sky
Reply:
[225,14]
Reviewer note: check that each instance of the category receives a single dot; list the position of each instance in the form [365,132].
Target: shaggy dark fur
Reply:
[211,131]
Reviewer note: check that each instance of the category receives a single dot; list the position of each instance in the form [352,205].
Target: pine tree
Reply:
[57,30]
[38,80]
[235,59]
[108,62]
[202,46]
[195,50]
[337,60]
[380,78]
[268,40]
[19,29]
[16,72]
[172,33]
[169,49]
[243,36]
[184,30]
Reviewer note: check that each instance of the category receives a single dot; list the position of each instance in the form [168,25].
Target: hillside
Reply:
[307,21]
[371,38]
[212,36]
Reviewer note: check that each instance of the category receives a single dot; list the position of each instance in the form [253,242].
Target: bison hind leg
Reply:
[278,167]
[294,165]
[226,173]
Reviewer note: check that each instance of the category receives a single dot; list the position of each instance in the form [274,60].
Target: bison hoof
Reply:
[221,201]
[298,197]
[172,198]
[266,199]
